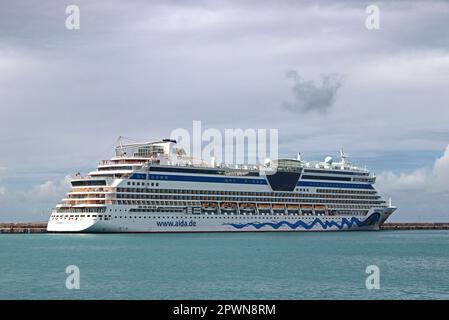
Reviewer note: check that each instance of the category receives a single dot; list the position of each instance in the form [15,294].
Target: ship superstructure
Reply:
[156,187]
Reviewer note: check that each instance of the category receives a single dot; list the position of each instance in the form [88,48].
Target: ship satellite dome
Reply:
[328,160]
[267,162]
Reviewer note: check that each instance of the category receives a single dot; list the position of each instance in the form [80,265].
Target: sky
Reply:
[140,69]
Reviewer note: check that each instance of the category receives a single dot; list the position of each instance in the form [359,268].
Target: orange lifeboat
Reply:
[228,205]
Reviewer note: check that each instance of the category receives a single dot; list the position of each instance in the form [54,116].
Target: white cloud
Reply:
[34,203]
[441,169]
[423,192]
[404,181]
[425,180]
[50,190]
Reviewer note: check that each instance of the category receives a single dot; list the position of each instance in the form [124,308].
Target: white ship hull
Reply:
[168,223]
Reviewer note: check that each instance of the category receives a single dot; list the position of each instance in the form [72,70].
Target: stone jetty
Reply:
[23,227]
[415,226]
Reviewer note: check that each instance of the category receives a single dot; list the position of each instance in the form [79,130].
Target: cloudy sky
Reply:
[143,68]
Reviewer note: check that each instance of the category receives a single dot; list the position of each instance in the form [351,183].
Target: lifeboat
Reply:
[247,205]
[208,204]
[278,206]
[228,205]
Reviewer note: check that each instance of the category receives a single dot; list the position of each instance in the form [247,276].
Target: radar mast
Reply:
[343,156]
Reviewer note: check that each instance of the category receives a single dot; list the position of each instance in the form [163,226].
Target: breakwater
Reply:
[415,226]
[23,227]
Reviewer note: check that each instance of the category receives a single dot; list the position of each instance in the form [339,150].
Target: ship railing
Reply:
[128,161]
[80,177]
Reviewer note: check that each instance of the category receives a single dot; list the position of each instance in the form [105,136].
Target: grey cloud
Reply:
[309,97]
[144,69]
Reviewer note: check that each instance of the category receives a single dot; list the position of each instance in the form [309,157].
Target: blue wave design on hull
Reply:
[349,223]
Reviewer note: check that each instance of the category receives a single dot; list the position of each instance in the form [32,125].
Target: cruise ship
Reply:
[155,187]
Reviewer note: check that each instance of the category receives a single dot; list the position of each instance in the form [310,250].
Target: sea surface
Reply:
[327,265]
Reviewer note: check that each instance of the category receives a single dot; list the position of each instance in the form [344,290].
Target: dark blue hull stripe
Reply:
[173,177]
[334,185]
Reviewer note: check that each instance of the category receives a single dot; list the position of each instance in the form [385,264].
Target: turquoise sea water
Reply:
[413,264]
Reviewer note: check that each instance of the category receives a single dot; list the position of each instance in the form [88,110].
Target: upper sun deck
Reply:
[334,166]
[146,150]
[137,156]
[123,160]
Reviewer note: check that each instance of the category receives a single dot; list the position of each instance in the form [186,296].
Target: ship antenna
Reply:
[343,156]
[120,138]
